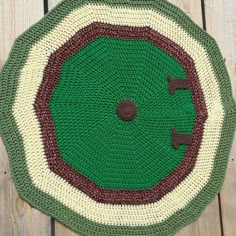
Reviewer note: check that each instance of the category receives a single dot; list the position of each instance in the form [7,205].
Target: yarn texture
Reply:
[117,116]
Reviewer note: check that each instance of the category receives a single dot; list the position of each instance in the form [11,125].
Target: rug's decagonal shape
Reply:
[117,117]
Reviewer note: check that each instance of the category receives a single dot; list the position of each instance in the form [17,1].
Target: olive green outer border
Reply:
[14,143]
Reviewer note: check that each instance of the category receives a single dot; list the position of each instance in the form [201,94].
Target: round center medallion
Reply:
[126,110]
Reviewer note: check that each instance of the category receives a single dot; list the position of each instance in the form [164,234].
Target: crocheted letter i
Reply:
[117,116]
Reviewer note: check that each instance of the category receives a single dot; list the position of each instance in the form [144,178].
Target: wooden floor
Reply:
[17,218]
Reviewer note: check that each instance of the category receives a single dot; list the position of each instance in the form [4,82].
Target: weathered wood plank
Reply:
[17,218]
[209,223]
[221,24]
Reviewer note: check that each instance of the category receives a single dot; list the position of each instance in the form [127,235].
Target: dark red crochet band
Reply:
[50,80]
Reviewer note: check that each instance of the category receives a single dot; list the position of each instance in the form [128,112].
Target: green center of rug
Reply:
[112,152]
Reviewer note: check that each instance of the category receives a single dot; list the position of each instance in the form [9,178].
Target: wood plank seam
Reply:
[52,221]
[221,217]
[45,4]
[203,14]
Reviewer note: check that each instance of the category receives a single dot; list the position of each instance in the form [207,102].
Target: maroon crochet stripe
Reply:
[50,80]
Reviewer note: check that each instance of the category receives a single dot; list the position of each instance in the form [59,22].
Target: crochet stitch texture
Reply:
[117,116]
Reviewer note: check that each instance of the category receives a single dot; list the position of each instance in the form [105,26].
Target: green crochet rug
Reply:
[117,116]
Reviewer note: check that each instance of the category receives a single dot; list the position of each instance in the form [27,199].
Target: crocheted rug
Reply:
[117,116]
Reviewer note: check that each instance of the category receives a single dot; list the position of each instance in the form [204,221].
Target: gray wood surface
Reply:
[17,218]
[221,24]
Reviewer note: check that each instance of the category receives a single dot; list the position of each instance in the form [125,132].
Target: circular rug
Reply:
[117,116]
